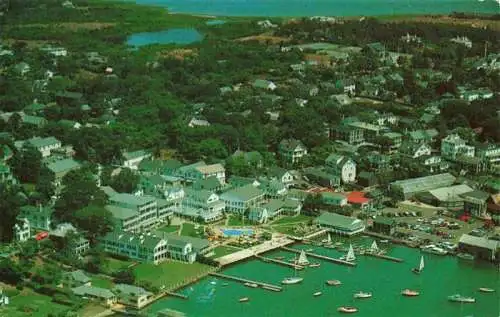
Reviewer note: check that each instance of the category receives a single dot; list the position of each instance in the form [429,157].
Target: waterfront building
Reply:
[144,247]
[321,177]
[480,247]
[201,204]
[384,225]
[340,224]
[446,197]
[102,294]
[453,146]
[238,200]
[405,189]
[475,203]
[133,296]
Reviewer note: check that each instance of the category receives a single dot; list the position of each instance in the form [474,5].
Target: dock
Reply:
[178,295]
[279,262]
[322,257]
[385,257]
[266,286]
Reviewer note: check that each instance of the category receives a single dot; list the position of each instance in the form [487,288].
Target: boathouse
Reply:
[340,224]
[480,247]
[384,225]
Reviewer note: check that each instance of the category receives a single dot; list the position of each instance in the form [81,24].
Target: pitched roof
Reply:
[79,276]
[290,144]
[196,243]
[477,194]
[424,183]
[63,165]
[243,193]
[130,199]
[131,289]
[209,183]
[143,240]
[480,242]
[450,193]
[357,198]
[210,169]
[38,142]
[93,291]
[339,221]
[135,154]
[385,220]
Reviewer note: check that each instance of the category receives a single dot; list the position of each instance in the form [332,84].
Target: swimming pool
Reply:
[236,232]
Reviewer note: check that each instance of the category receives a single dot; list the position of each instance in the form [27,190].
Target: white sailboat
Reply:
[420,266]
[374,247]
[350,257]
[303,259]
[292,280]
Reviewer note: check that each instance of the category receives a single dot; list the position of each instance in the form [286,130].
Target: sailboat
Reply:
[418,270]
[374,248]
[303,261]
[292,280]
[350,257]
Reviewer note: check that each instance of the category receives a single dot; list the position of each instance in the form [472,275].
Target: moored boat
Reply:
[309,250]
[409,293]
[317,294]
[363,295]
[347,309]
[486,290]
[292,280]
[420,268]
[465,256]
[302,259]
[252,285]
[244,299]
[432,249]
[461,299]
[349,257]
[333,282]
[315,265]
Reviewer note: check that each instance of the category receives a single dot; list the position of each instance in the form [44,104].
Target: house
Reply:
[476,203]
[349,134]
[405,189]
[370,131]
[264,84]
[462,40]
[423,136]
[22,68]
[39,217]
[211,183]
[292,151]
[62,167]
[410,38]
[379,161]
[453,146]
[132,212]
[200,170]
[194,122]
[22,230]
[183,249]
[75,279]
[341,99]
[341,166]
[171,203]
[394,140]
[333,199]
[253,158]
[101,294]
[201,204]
[238,181]
[339,224]
[415,150]
[385,119]
[481,247]
[434,163]
[147,248]
[282,175]
[489,152]
[76,247]
[367,179]
[359,200]
[69,98]
[69,124]
[133,296]
[384,225]
[54,51]
[44,145]
[35,108]
[348,86]
[321,177]
[239,199]
[377,49]
[33,120]
[133,159]
[273,188]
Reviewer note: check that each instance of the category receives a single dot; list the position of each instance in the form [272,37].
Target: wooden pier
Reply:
[322,257]
[173,294]
[385,257]
[279,262]
[263,285]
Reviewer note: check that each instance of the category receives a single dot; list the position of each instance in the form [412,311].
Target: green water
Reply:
[443,276]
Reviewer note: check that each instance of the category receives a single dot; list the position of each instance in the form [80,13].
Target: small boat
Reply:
[347,309]
[432,249]
[461,299]
[465,256]
[309,250]
[409,293]
[213,282]
[486,290]
[244,299]
[384,241]
[315,265]
[362,295]
[252,285]
[333,282]
[418,270]
[317,294]
[225,284]
[292,280]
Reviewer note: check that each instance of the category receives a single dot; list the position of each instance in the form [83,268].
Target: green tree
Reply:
[94,220]
[27,163]
[124,277]
[45,184]
[9,209]
[125,182]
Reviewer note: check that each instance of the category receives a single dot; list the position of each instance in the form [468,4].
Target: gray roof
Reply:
[131,289]
[130,199]
[243,193]
[79,276]
[480,242]
[196,243]
[450,193]
[135,154]
[41,142]
[121,213]
[93,291]
[339,221]
[426,183]
[63,165]
[477,195]
[146,240]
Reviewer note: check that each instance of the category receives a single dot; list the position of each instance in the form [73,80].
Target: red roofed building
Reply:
[359,199]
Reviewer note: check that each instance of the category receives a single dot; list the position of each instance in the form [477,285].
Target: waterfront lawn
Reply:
[29,303]
[102,282]
[168,273]
[188,230]
[169,229]
[91,310]
[114,265]
[223,250]
[236,221]
[292,219]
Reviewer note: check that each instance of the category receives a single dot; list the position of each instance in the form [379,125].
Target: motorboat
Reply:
[309,250]
[315,265]
[384,241]
[486,290]
[432,249]
[420,268]
[317,294]
[461,299]
[292,280]
[252,285]
[362,295]
[465,256]
[333,282]
[409,293]
[225,284]
[244,299]
[347,309]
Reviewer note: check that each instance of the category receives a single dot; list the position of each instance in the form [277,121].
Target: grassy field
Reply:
[223,250]
[31,304]
[114,265]
[188,230]
[168,273]
[101,282]
[236,221]
[292,219]
[169,229]
[286,229]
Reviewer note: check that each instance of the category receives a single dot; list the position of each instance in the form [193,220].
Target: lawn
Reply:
[101,282]
[169,229]
[188,230]
[31,304]
[115,265]
[168,273]
[223,250]
[286,229]
[292,219]
[236,221]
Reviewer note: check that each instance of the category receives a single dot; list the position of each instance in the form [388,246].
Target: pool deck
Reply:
[276,243]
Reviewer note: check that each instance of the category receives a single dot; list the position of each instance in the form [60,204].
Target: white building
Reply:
[341,166]
[44,145]
[292,151]
[133,212]
[202,203]
[462,40]
[201,170]
[22,230]
[133,159]
[454,146]
[240,199]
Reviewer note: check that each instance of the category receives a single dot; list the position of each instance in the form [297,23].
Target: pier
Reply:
[385,257]
[322,257]
[279,262]
[263,285]
[173,294]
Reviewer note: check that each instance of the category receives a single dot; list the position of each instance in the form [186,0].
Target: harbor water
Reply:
[443,276]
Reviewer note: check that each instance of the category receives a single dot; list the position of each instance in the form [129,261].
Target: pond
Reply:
[170,36]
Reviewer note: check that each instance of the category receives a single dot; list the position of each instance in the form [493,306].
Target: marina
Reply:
[279,262]
[322,257]
[247,281]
